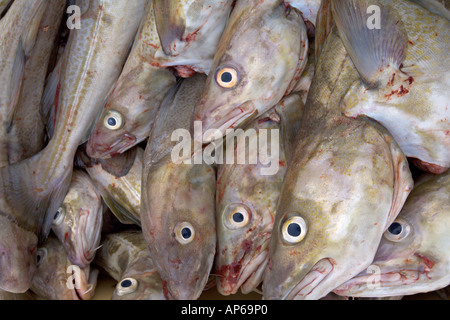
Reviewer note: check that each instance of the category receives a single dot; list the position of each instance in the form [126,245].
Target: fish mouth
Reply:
[84,287]
[248,277]
[87,237]
[98,151]
[222,121]
[311,280]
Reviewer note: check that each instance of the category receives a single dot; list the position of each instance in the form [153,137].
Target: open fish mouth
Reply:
[311,280]
[229,120]
[84,287]
[97,151]
[88,238]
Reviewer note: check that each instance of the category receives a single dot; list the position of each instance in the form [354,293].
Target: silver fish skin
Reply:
[260,57]
[190,32]
[26,136]
[413,256]
[122,194]
[345,185]
[242,190]
[4,5]
[125,257]
[57,278]
[178,200]
[404,67]
[18,29]
[78,222]
[136,98]
[308,8]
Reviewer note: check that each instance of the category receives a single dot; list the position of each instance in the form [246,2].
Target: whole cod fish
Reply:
[57,278]
[346,183]
[260,57]
[246,200]
[178,200]
[125,257]
[78,222]
[128,115]
[414,255]
[32,190]
[404,67]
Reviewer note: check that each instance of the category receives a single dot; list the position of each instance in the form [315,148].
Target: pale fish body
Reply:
[134,103]
[125,257]
[122,194]
[57,278]
[26,137]
[32,190]
[261,55]
[344,186]
[3,5]
[308,8]
[246,201]
[190,31]
[414,255]
[178,200]
[404,68]
[17,35]
[78,222]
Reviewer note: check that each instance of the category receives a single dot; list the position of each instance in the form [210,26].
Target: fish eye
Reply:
[237,216]
[184,233]
[41,254]
[59,216]
[293,230]
[126,286]
[113,120]
[227,77]
[398,230]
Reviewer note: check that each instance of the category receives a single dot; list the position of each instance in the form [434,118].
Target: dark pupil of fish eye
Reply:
[38,258]
[226,77]
[238,217]
[186,233]
[294,230]
[125,283]
[395,228]
[56,215]
[112,122]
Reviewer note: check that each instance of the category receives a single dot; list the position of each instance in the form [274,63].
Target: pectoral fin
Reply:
[170,23]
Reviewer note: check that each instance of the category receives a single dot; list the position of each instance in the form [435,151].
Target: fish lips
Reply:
[105,151]
[222,118]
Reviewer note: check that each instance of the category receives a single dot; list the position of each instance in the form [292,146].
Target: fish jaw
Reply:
[246,271]
[17,257]
[101,150]
[224,118]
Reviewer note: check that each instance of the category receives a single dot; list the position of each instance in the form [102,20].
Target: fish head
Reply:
[181,233]
[256,60]
[331,217]
[57,278]
[17,256]
[128,115]
[413,254]
[78,222]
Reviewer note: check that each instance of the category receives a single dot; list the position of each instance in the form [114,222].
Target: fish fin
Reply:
[29,38]
[324,24]
[16,84]
[371,48]
[122,214]
[170,23]
[50,99]
[121,164]
[435,7]
[403,181]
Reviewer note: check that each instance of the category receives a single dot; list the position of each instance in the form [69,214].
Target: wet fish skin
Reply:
[409,93]
[32,190]
[176,196]
[264,49]
[242,249]
[3,5]
[190,32]
[357,181]
[417,260]
[26,136]
[52,279]
[124,256]
[78,223]
[138,93]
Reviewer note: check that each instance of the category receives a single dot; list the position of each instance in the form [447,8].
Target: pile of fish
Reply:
[348,192]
